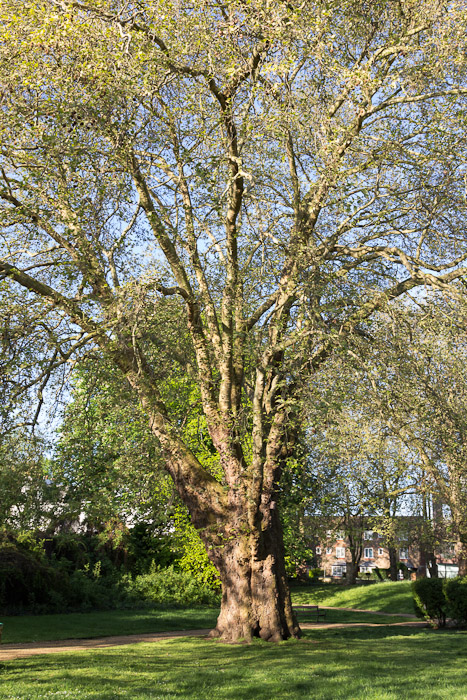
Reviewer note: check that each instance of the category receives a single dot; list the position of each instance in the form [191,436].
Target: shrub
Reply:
[170,587]
[25,580]
[382,574]
[193,560]
[429,600]
[455,591]
[85,593]
[316,573]
[68,573]
[146,544]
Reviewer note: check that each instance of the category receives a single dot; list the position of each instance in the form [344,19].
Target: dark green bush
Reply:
[455,591]
[145,545]
[67,573]
[430,601]
[25,579]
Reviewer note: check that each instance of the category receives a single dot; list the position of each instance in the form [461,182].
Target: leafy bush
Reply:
[146,544]
[455,591]
[382,574]
[25,579]
[29,583]
[75,573]
[429,600]
[193,560]
[60,574]
[316,573]
[169,587]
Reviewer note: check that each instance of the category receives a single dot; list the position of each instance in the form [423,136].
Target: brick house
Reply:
[332,554]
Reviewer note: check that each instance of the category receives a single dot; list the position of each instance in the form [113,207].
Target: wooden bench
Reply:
[312,608]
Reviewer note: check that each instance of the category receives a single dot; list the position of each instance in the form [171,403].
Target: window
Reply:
[447,570]
[368,535]
[340,534]
[366,569]
[328,550]
[318,550]
[380,552]
[448,550]
[338,570]
[328,533]
[403,553]
[368,553]
[340,552]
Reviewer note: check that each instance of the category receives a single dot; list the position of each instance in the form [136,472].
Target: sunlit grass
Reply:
[34,628]
[392,597]
[370,663]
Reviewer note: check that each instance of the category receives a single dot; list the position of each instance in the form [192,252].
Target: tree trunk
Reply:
[352,571]
[461,553]
[237,521]
[392,563]
[255,594]
[432,565]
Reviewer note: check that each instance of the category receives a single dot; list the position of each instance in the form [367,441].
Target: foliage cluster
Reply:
[170,586]
[438,599]
[71,572]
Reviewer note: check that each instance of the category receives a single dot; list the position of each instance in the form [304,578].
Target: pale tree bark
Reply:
[193,133]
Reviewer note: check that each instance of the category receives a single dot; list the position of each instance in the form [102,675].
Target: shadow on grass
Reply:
[384,663]
[31,628]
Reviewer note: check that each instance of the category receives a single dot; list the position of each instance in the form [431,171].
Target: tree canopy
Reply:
[281,170]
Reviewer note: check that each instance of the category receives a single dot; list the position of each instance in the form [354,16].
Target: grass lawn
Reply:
[34,628]
[392,597]
[367,663]
[342,616]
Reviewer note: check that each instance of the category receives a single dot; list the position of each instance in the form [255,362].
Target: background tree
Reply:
[282,170]
[370,477]
[414,374]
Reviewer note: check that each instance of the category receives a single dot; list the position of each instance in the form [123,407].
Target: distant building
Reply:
[333,555]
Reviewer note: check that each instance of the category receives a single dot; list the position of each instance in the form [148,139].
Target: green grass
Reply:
[353,664]
[392,597]
[35,628]
[345,616]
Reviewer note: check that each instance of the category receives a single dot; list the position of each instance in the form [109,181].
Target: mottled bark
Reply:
[354,526]
[255,594]
[458,505]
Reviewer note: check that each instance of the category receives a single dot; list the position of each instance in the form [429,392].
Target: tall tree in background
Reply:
[372,477]
[283,169]
[413,374]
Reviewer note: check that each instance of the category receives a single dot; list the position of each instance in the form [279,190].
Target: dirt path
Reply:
[8,652]
[20,651]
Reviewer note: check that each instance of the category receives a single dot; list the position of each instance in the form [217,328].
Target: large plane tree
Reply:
[280,170]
